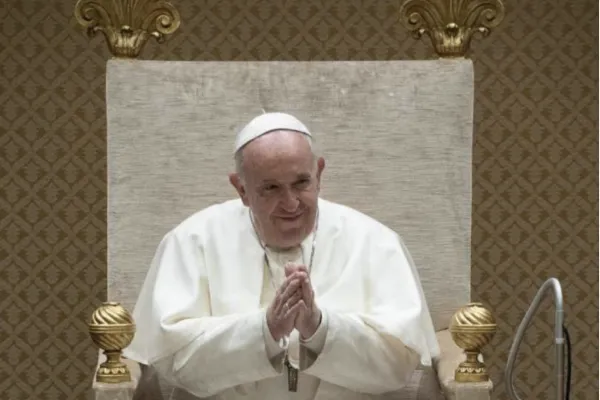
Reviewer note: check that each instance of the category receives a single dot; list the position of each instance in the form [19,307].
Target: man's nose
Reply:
[290,201]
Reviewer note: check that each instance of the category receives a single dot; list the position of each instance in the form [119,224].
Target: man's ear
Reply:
[320,168]
[237,182]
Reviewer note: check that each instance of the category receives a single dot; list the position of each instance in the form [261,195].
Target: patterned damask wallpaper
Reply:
[535,167]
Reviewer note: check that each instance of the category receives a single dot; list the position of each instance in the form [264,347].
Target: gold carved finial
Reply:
[127,24]
[472,327]
[450,24]
[112,329]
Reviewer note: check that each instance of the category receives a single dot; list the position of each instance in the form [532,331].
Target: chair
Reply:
[397,137]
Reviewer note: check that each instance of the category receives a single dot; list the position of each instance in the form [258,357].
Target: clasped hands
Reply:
[294,305]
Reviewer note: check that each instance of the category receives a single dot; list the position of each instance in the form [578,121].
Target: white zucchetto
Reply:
[268,122]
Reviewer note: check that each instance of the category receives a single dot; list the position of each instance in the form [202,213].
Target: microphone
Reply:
[559,341]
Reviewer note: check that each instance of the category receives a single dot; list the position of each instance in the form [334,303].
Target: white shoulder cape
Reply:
[203,289]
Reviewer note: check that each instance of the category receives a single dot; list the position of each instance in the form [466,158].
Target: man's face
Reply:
[280,184]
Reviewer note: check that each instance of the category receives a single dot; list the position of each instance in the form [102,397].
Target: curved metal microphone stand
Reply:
[559,340]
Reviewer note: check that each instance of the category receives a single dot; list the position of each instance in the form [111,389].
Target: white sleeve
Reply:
[358,357]
[310,348]
[275,350]
[176,334]
[228,354]
[376,351]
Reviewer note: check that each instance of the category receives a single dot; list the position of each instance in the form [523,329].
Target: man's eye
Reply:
[303,182]
[270,187]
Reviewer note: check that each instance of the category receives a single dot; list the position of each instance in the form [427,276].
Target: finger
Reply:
[274,307]
[301,276]
[292,300]
[289,268]
[307,293]
[284,293]
[295,276]
[296,271]
[296,297]
[289,290]
[277,300]
[304,308]
[294,309]
[286,283]
[302,268]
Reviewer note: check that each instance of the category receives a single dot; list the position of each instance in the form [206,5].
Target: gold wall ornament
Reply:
[472,327]
[127,24]
[450,24]
[112,329]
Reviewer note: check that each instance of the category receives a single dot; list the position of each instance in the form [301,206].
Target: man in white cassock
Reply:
[281,294]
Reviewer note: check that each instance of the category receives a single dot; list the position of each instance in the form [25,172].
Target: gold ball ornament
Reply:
[472,327]
[112,329]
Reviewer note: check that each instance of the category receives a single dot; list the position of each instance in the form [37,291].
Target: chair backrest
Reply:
[396,135]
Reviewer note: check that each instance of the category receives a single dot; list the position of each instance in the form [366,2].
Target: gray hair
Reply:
[239,155]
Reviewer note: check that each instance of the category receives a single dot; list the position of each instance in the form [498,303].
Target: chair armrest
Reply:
[117,391]
[450,356]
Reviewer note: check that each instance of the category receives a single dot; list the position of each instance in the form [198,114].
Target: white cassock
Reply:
[201,319]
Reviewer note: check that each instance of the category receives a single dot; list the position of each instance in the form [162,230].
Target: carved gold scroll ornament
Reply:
[451,24]
[128,24]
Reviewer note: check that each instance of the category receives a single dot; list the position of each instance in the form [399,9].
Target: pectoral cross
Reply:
[292,376]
